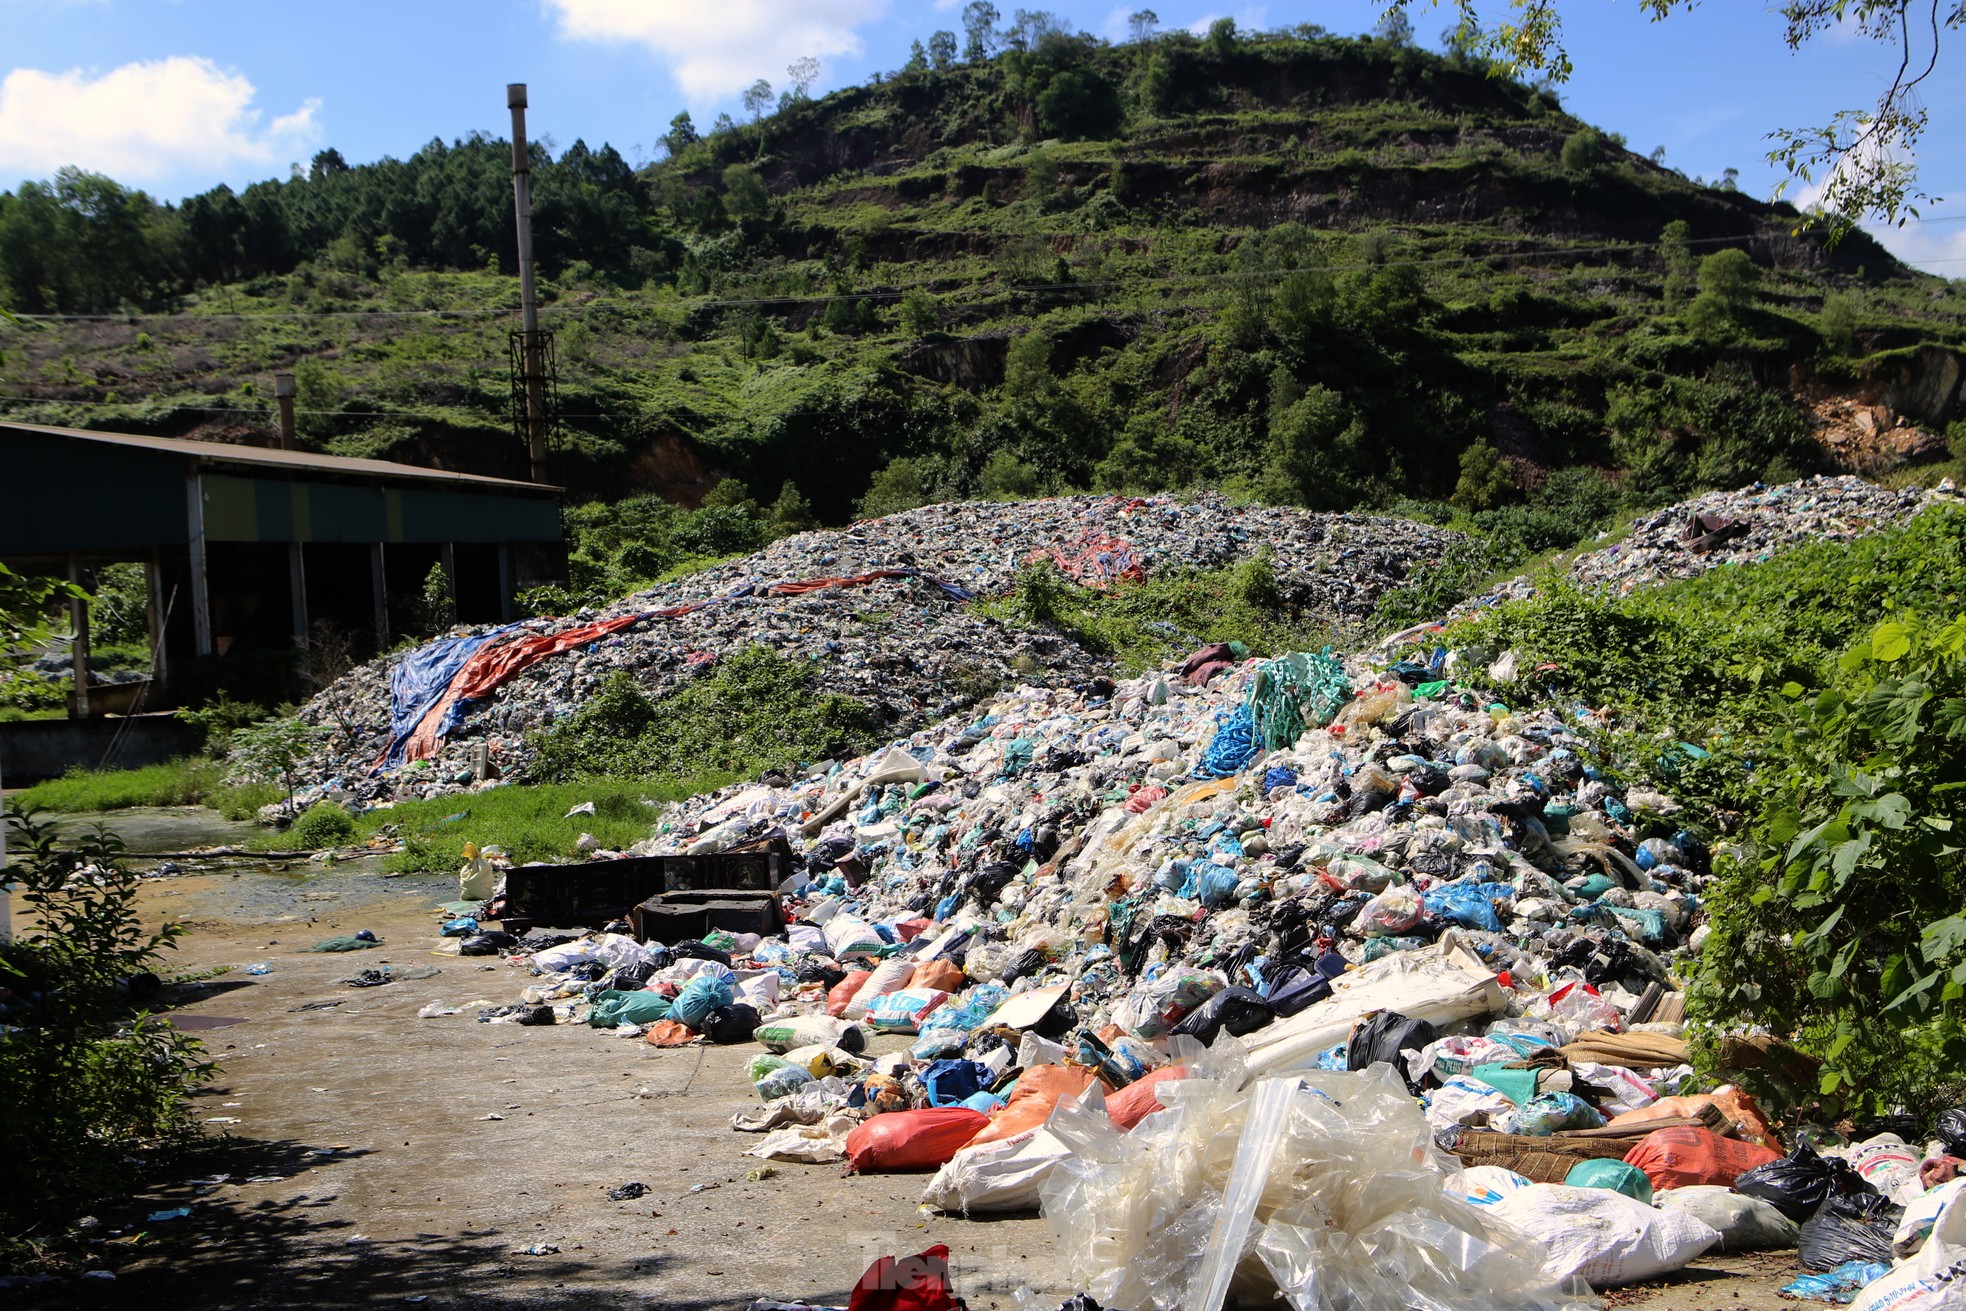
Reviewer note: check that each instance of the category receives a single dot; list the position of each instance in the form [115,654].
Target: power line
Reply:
[740,302]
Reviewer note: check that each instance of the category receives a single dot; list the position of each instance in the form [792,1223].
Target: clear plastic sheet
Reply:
[1325,1188]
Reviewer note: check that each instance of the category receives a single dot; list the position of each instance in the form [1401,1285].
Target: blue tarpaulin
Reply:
[420,681]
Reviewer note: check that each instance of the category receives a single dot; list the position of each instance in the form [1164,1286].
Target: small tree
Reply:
[802,73]
[1394,28]
[745,196]
[1222,37]
[437,604]
[757,98]
[1583,150]
[1682,271]
[791,512]
[1008,478]
[271,752]
[918,313]
[942,51]
[681,134]
[1485,482]
[895,488]
[979,30]
[1731,277]
[917,58]
[1142,25]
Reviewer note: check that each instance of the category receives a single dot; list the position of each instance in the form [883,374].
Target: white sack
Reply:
[1935,1279]
[995,1177]
[1602,1237]
[1745,1224]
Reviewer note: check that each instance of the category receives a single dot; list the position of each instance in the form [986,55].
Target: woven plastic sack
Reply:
[1141,1098]
[903,1011]
[1037,1092]
[888,976]
[786,1032]
[1934,1279]
[1690,1156]
[847,936]
[911,1140]
[841,994]
[1602,1237]
[942,975]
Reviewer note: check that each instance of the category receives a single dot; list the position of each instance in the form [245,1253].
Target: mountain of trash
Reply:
[881,607]
[1350,982]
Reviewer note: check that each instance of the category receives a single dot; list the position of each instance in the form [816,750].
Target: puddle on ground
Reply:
[244,889]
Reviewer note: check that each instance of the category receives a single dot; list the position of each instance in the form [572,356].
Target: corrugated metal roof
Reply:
[222,453]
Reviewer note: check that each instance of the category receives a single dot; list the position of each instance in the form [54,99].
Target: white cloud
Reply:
[1934,247]
[143,120]
[718,49]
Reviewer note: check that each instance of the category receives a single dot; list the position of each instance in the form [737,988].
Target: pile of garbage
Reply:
[1256,977]
[881,607]
[1753,523]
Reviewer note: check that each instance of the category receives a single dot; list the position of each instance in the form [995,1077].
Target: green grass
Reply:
[529,822]
[1141,625]
[184,782]
[192,781]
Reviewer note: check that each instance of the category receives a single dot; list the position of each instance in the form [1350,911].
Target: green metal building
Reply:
[250,549]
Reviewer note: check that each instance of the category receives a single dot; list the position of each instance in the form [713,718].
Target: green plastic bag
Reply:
[1614,1175]
[613,1008]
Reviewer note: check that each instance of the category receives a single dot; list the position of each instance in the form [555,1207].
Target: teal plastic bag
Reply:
[1614,1175]
[700,996]
[613,1008]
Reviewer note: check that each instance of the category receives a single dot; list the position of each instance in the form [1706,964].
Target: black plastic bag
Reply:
[1849,1227]
[1238,1010]
[486,944]
[700,950]
[1799,1183]
[1951,1130]
[733,1023]
[1386,1037]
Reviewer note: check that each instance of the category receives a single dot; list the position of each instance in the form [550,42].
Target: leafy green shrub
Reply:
[87,1079]
[756,710]
[323,824]
[1842,741]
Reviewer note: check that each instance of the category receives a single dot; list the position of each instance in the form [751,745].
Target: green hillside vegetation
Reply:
[1303,268]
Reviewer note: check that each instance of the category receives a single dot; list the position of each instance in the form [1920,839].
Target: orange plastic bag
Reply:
[1038,1090]
[840,995]
[1138,1100]
[1738,1106]
[911,1140]
[942,975]
[669,1033]
[1680,1158]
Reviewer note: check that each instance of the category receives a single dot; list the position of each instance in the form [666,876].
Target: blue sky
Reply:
[179,95]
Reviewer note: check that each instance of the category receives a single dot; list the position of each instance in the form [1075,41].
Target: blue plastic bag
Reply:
[947,1083]
[700,996]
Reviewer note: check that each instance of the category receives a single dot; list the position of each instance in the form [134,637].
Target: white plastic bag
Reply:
[1602,1237]
[1933,1280]
[997,1177]
[1745,1224]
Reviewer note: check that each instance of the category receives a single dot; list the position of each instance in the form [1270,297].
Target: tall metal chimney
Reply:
[534,365]
[283,392]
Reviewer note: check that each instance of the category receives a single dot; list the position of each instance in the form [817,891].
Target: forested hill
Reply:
[1309,269]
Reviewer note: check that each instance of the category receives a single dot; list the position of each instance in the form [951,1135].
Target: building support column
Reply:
[297,585]
[78,622]
[201,589]
[157,618]
[381,597]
